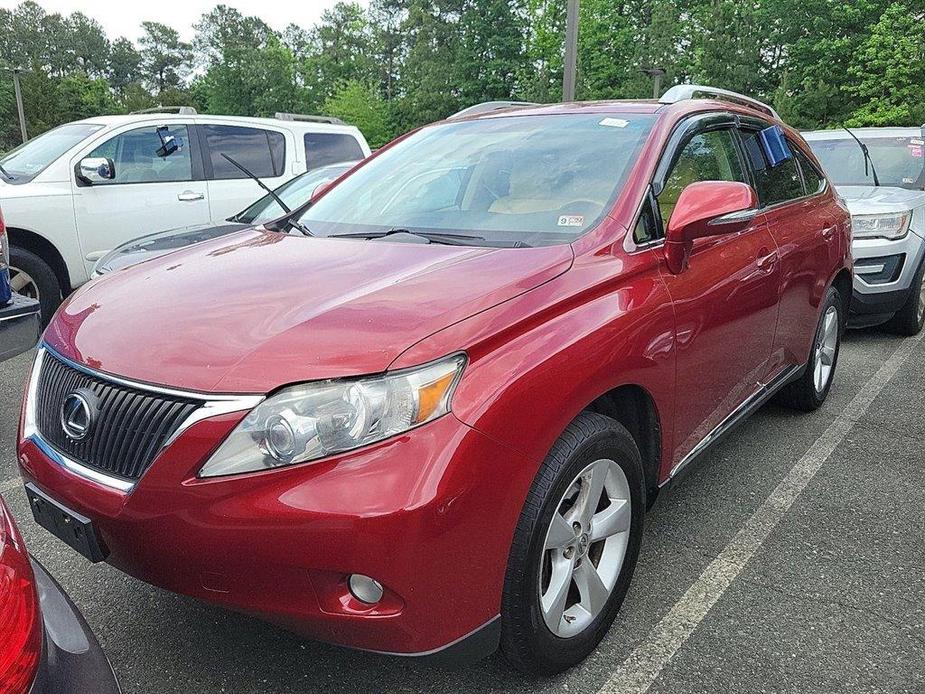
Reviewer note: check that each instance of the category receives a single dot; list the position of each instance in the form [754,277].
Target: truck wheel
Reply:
[32,277]
[812,388]
[575,547]
[910,319]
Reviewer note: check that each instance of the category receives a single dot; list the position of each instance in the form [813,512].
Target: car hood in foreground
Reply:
[255,310]
[880,199]
[163,242]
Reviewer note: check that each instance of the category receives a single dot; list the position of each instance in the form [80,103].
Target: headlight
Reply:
[880,226]
[315,420]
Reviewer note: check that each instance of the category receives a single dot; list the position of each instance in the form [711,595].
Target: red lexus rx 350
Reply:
[436,450]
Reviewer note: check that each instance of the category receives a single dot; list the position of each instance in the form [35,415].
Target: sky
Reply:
[122,18]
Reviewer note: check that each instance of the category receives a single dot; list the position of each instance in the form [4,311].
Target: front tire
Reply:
[812,388]
[575,547]
[31,276]
[910,319]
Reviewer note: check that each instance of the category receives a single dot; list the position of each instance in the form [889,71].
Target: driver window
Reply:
[134,154]
[709,156]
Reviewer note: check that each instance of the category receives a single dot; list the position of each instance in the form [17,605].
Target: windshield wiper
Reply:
[7,173]
[867,157]
[279,200]
[434,237]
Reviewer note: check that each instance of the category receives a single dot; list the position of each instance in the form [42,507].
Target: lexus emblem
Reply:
[78,412]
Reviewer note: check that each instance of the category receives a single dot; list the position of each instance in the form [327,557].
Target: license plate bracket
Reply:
[70,527]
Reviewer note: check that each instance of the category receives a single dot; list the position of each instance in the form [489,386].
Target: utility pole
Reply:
[656,73]
[571,51]
[19,108]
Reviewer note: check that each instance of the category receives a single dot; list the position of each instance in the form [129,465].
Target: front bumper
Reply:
[429,514]
[20,326]
[877,296]
[72,660]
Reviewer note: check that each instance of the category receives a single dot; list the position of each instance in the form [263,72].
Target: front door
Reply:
[149,193]
[725,303]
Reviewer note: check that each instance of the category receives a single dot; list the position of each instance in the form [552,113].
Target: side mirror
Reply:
[92,170]
[707,208]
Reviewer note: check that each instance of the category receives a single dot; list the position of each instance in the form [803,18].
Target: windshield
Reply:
[900,161]
[524,180]
[30,158]
[294,193]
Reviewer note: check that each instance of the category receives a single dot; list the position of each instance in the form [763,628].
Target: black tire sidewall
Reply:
[833,298]
[549,653]
[42,275]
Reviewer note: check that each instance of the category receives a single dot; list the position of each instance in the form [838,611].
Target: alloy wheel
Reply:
[22,283]
[584,548]
[824,357]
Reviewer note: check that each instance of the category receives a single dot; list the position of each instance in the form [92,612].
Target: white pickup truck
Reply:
[75,192]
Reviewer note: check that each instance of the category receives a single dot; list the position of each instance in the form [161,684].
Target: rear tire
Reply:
[812,388]
[910,319]
[32,276]
[589,548]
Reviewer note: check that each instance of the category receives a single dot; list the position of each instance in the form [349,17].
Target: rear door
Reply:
[796,207]
[262,151]
[149,193]
[726,302]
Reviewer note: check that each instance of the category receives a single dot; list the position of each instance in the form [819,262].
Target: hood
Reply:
[249,312]
[880,199]
[155,245]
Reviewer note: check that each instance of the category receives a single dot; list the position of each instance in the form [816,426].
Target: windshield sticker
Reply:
[571,220]
[916,141]
[614,122]
[908,180]
[916,151]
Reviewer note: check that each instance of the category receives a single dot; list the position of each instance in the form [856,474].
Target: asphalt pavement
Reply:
[792,559]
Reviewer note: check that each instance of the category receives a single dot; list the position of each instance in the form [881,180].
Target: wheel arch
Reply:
[634,407]
[46,250]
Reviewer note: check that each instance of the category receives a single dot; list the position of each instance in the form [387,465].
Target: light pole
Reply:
[22,116]
[656,73]
[570,65]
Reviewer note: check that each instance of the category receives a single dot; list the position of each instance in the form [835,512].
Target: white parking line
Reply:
[640,670]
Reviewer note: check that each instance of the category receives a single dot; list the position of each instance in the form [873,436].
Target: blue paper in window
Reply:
[774,144]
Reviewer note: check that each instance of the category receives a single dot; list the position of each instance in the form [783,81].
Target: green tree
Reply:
[165,58]
[361,105]
[87,45]
[889,70]
[124,64]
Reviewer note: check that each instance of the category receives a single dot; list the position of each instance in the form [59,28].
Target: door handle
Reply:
[767,260]
[190,196]
[828,233]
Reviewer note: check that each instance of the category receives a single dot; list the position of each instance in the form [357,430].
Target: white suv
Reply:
[75,192]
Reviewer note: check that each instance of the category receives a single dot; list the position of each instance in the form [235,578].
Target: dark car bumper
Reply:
[20,326]
[873,309]
[72,660]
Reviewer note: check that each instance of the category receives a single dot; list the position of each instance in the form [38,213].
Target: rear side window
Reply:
[322,149]
[263,152]
[814,180]
[775,185]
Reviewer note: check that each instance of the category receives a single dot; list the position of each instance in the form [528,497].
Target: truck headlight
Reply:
[314,420]
[881,226]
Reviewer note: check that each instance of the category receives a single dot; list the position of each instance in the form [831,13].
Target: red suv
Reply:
[434,451]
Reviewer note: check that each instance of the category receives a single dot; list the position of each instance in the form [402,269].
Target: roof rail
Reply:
[489,106]
[308,118]
[179,110]
[681,92]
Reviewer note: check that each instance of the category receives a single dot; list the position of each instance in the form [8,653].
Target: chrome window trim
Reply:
[211,406]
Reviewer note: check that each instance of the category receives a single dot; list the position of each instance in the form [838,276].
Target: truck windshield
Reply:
[509,180]
[30,158]
[900,161]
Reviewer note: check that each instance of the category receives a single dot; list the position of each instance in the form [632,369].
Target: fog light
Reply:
[365,589]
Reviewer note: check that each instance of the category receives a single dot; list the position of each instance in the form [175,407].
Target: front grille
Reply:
[130,427]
